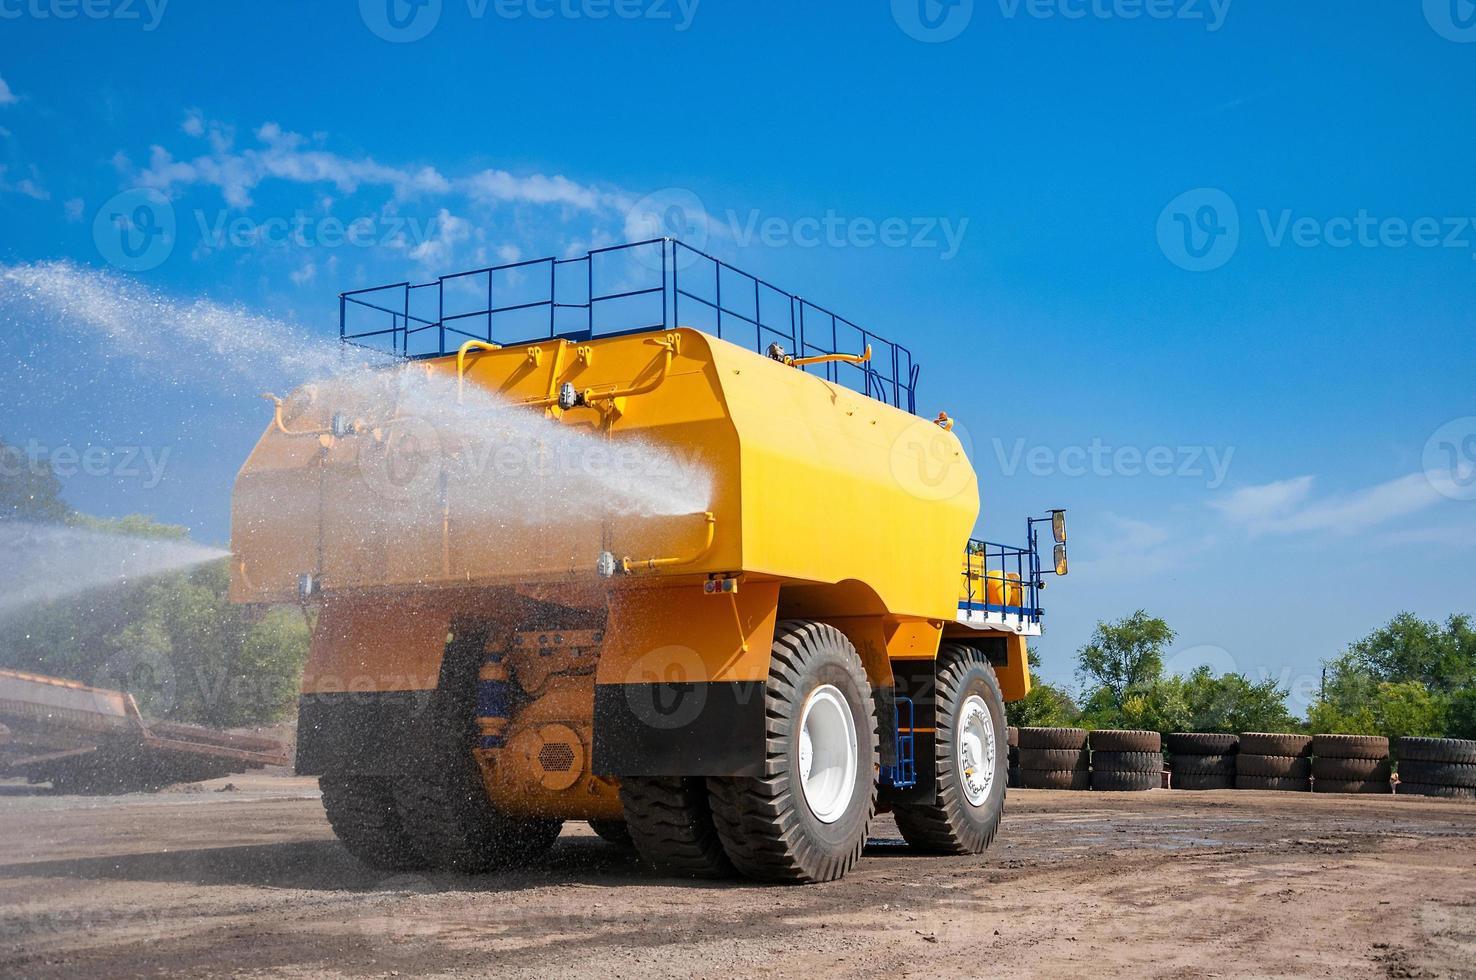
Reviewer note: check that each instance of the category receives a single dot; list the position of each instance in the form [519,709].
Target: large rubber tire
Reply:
[1111,781]
[1108,740]
[669,819]
[1054,759]
[1052,738]
[1350,786]
[613,831]
[1275,743]
[1282,784]
[1355,769]
[1056,778]
[1191,780]
[1448,792]
[955,824]
[1127,762]
[439,793]
[361,810]
[768,828]
[1204,765]
[1202,743]
[1273,766]
[1456,750]
[1350,746]
[1438,773]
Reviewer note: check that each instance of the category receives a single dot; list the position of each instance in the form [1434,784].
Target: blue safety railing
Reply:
[985,560]
[657,284]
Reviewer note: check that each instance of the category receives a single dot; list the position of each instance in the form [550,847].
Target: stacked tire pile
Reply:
[1126,761]
[1054,758]
[1274,761]
[1012,735]
[1438,767]
[1350,764]
[1203,760]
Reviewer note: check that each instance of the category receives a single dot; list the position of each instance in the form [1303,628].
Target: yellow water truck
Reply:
[736,689]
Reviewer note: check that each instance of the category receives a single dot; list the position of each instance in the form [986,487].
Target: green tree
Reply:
[1409,677]
[1046,706]
[29,490]
[1123,656]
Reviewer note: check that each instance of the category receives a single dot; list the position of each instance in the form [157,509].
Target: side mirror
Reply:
[1058,527]
[1060,559]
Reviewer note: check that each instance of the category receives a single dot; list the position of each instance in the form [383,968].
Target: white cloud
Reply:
[74,208]
[438,250]
[28,186]
[304,274]
[7,97]
[501,186]
[1288,506]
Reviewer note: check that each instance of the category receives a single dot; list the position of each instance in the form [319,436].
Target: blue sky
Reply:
[1297,370]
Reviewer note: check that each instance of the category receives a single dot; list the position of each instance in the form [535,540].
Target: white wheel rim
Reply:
[827,753]
[976,750]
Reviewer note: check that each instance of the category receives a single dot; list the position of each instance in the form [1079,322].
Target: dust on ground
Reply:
[242,877]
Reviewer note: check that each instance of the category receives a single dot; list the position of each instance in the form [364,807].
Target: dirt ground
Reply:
[249,882]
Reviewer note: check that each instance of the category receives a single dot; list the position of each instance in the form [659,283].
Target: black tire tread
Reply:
[1273,766]
[1350,746]
[1127,762]
[755,816]
[1056,778]
[1054,758]
[931,827]
[1438,773]
[1282,784]
[1053,738]
[1113,740]
[1447,792]
[1275,743]
[361,810]
[1204,765]
[669,819]
[1201,743]
[1324,767]
[1116,781]
[1460,751]
[1350,786]
[1199,781]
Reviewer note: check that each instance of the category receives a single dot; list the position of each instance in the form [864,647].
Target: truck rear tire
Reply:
[971,752]
[361,810]
[805,819]
[669,821]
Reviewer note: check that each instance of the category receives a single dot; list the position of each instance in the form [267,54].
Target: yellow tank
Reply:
[586,567]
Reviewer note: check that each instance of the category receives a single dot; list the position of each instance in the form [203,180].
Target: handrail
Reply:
[571,302]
